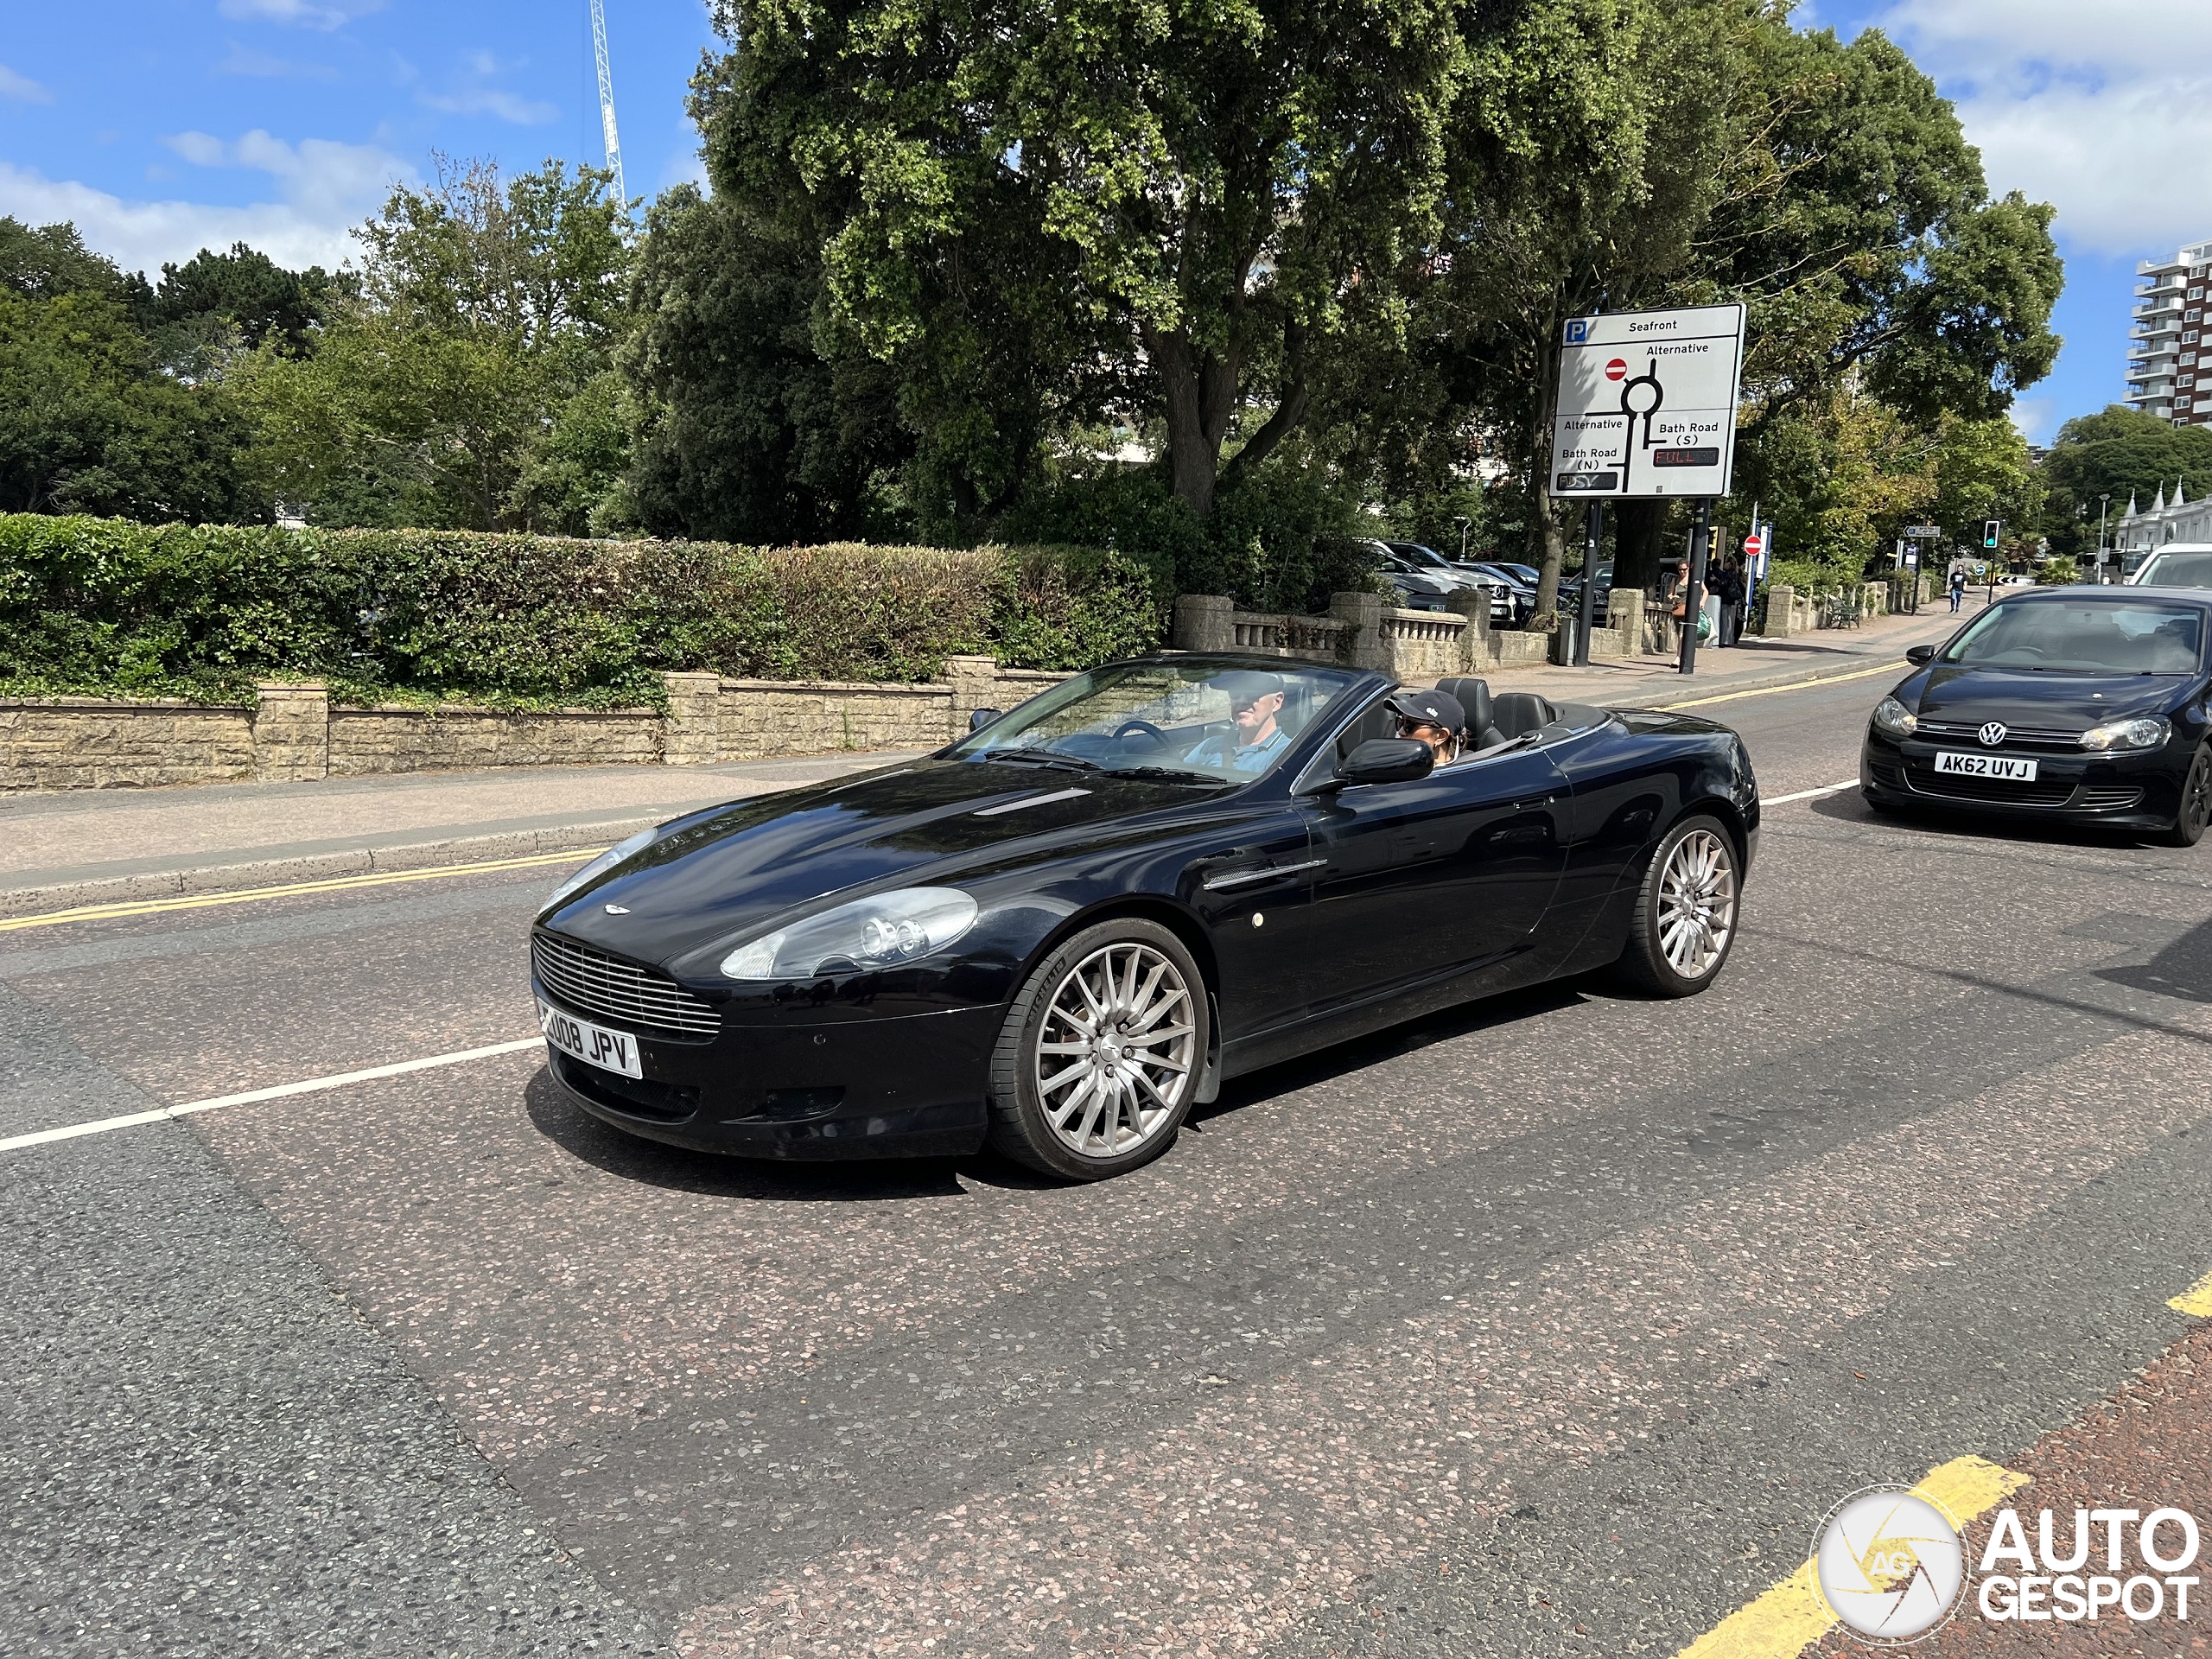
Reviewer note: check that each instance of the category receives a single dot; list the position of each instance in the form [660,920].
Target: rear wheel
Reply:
[1100,1052]
[2195,812]
[1685,920]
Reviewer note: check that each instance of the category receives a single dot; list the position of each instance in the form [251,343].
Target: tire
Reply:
[2191,817]
[1694,882]
[1069,1094]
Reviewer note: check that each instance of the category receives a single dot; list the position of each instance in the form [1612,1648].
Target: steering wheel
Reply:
[1130,727]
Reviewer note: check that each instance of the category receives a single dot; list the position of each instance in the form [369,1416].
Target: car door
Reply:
[1249,888]
[1427,882]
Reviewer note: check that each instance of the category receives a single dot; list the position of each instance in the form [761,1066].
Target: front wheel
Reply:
[2194,811]
[1685,919]
[1101,1052]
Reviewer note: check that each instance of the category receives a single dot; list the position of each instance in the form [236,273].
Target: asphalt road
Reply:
[1549,1326]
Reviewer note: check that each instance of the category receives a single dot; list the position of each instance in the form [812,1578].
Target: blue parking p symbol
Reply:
[1578,330]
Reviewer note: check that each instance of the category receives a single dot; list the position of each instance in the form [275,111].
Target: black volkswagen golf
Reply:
[2083,704]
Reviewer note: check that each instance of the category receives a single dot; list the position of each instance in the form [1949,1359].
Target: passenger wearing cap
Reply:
[1434,717]
[1255,700]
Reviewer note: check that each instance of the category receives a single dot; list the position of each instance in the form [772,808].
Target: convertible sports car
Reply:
[1063,930]
[2087,705]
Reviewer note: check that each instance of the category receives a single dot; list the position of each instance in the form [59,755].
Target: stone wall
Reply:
[295,732]
[92,743]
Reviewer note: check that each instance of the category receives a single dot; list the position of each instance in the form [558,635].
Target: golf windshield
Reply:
[2176,570]
[1208,722]
[2084,637]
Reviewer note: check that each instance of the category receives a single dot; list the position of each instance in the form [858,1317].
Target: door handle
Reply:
[1533,801]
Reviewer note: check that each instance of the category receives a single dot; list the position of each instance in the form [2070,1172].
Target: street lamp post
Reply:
[2104,503]
[1465,524]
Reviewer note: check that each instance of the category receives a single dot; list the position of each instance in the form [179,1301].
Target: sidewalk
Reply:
[95,847]
[1750,665]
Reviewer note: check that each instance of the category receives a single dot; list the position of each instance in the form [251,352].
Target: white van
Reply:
[2178,564]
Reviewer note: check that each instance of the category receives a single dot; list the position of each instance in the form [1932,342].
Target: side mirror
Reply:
[1387,760]
[1920,656]
[983,717]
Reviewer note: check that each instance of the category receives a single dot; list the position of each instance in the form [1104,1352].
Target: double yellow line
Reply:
[287,890]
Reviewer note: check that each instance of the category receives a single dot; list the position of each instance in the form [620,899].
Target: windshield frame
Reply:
[1330,684]
[2000,614]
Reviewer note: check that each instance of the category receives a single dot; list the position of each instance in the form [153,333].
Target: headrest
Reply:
[1516,713]
[1473,696]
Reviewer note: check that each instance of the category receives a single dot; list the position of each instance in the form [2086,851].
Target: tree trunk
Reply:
[1640,526]
[1552,543]
[1200,391]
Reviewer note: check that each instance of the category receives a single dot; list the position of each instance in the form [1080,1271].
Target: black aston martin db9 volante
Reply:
[1061,932]
[2082,705]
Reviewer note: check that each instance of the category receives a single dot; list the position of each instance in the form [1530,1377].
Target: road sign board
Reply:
[1925,532]
[1754,544]
[1647,403]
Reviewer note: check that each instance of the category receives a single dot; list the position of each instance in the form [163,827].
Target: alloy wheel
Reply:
[2196,801]
[1697,903]
[1116,1050]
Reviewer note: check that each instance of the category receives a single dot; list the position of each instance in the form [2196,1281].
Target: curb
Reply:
[356,860]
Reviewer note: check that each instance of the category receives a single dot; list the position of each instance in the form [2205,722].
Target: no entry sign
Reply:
[1647,403]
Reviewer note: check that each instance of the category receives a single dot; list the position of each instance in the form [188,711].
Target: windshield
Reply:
[1210,721]
[2084,637]
[2176,570]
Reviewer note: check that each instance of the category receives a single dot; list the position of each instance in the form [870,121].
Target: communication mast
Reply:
[607,101]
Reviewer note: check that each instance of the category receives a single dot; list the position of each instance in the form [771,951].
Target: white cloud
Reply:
[307,14]
[264,66]
[22,87]
[2105,111]
[326,188]
[490,100]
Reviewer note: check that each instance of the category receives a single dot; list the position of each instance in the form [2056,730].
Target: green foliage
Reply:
[2119,453]
[2057,571]
[110,606]
[485,307]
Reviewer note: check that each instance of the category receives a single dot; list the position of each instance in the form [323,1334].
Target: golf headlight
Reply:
[1893,717]
[2144,732]
[882,932]
[599,866]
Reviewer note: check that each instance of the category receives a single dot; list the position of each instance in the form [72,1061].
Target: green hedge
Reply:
[111,607]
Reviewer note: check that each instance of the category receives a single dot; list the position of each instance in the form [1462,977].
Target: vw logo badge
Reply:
[1994,733]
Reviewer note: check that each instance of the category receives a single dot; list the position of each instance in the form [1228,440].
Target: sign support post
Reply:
[1593,526]
[1694,596]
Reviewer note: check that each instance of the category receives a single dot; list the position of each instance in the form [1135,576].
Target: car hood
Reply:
[1962,692]
[713,876]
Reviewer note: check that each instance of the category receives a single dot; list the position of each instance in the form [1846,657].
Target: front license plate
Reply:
[2009,768]
[610,1051]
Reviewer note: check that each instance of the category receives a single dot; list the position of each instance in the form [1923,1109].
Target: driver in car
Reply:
[1255,700]
[1434,717]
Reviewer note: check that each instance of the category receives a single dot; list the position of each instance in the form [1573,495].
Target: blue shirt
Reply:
[1243,757]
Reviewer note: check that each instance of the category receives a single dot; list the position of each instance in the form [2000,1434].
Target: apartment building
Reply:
[2162,348]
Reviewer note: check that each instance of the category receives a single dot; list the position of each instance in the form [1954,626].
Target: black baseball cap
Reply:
[1246,685]
[1438,708]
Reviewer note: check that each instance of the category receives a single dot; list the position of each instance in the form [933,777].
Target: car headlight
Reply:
[1893,717]
[599,866]
[881,931]
[2144,732]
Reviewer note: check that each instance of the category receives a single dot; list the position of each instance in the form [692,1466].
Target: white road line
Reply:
[313,1085]
[1811,794]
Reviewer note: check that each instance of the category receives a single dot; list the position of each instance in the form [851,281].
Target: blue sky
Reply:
[162,125]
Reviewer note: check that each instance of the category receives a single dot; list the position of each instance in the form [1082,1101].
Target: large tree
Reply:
[485,307]
[1023,206]
[2098,462]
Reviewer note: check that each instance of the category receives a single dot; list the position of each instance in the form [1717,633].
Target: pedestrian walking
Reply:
[1958,586]
[1728,588]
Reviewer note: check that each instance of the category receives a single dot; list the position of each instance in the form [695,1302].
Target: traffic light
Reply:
[1989,529]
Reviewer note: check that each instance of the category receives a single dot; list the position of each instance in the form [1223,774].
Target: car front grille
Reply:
[1926,781]
[2015,737]
[603,985]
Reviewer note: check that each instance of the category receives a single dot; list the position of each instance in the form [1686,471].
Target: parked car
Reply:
[1429,572]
